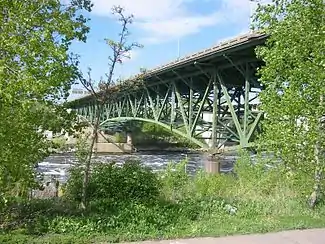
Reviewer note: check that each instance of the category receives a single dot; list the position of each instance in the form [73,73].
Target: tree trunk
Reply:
[314,197]
[318,174]
[85,182]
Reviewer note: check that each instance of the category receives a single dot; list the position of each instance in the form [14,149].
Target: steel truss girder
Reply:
[183,108]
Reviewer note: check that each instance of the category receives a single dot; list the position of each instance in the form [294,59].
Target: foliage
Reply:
[155,131]
[175,181]
[119,138]
[36,71]
[82,146]
[59,143]
[293,77]
[152,134]
[113,183]
[256,199]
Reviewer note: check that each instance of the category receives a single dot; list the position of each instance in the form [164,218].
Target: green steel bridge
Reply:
[210,97]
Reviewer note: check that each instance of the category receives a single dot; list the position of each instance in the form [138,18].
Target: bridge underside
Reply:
[211,101]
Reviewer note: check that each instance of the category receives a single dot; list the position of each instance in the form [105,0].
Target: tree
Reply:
[36,72]
[293,76]
[120,51]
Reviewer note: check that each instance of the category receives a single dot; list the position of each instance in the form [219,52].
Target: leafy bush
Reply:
[119,138]
[129,182]
[177,184]
[156,132]
[255,179]
[34,214]
[151,134]
[175,181]
[59,143]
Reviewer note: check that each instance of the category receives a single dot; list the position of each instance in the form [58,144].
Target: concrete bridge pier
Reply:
[212,164]
[129,138]
[212,167]
[105,144]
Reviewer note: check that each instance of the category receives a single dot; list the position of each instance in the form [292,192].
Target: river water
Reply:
[57,166]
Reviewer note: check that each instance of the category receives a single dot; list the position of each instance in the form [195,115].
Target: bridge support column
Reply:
[214,113]
[212,165]
[129,138]
[105,144]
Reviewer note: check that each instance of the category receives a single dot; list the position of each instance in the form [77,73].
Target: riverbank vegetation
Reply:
[130,202]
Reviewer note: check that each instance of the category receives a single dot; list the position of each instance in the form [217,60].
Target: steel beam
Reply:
[232,110]
[190,107]
[181,107]
[201,106]
[246,102]
[215,112]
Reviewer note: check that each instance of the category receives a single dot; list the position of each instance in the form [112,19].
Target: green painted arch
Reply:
[178,132]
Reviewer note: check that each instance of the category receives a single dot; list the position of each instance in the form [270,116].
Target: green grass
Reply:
[175,206]
[208,226]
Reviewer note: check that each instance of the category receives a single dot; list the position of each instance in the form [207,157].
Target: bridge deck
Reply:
[224,56]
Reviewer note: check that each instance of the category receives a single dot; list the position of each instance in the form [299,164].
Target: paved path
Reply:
[315,236]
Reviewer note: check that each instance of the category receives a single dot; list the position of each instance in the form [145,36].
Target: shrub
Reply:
[175,181]
[119,138]
[266,178]
[59,143]
[205,185]
[34,215]
[129,182]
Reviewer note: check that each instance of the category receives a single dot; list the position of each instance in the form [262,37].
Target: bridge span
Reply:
[210,97]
